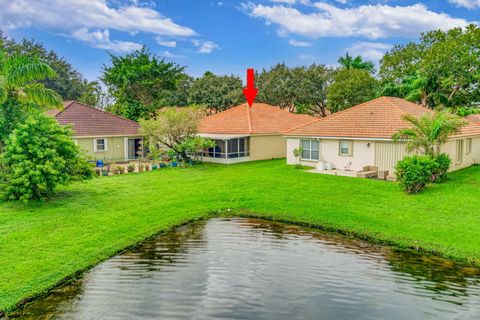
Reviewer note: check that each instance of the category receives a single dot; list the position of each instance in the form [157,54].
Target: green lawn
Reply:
[43,243]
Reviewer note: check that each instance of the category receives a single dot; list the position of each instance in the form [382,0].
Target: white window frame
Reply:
[310,149]
[350,148]
[105,144]
[468,147]
[459,148]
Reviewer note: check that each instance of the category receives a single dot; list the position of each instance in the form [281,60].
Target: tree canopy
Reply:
[216,92]
[303,89]
[348,62]
[349,88]
[441,70]
[141,82]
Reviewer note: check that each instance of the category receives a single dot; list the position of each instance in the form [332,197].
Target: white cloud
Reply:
[68,17]
[169,54]
[369,50]
[371,21]
[166,43]
[205,46]
[101,39]
[297,43]
[470,4]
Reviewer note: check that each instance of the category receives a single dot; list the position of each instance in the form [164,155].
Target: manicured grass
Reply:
[43,243]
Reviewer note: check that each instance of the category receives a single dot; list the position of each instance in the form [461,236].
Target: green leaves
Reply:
[441,70]
[427,133]
[40,155]
[141,82]
[350,87]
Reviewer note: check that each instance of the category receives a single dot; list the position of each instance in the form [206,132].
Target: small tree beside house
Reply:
[425,137]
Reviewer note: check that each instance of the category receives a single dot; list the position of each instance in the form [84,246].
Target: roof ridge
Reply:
[336,114]
[393,104]
[249,119]
[69,103]
[102,111]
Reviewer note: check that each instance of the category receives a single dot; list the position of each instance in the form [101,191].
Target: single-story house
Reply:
[244,133]
[361,137]
[104,136]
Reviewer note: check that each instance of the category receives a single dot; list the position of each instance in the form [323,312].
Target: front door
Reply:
[135,148]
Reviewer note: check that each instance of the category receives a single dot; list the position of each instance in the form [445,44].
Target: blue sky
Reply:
[226,37]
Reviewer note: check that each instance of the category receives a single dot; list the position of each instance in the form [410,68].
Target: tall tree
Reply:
[68,82]
[349,62]
[350,87]
[312,85]
[277,86]
[427,133]
[444,64]
[216,92]
[141,82]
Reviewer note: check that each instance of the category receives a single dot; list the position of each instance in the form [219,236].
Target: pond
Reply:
[253,269]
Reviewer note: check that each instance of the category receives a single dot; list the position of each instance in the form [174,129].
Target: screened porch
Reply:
[228,149]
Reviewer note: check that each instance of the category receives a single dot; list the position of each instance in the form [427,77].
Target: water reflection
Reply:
[253,269]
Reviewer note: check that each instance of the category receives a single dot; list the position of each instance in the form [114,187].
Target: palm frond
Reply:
[21,70]
[3,89]
[40,95]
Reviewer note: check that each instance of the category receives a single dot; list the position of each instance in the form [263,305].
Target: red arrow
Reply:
[250,92]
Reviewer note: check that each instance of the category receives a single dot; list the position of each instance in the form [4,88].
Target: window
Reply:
[100,145]
[459,157]
[345,148]
[469,146]
[310,149]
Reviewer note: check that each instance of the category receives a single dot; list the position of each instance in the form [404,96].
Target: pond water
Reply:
[253,269]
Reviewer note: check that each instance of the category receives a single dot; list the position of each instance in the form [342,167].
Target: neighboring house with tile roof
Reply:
[243,133]
[361,136]
[104,136]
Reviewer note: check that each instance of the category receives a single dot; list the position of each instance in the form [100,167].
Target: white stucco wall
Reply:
[363,155]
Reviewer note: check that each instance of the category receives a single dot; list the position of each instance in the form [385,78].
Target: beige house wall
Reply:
[115,148]
[469,159]
[387,155]
[267,147]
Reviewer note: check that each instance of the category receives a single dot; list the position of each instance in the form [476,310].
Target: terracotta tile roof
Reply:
[88,121]
[378,118]
[261,118]
[475,118]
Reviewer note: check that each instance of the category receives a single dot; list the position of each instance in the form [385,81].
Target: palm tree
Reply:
[348,62]
[416,88]
[429,132]
[19,76]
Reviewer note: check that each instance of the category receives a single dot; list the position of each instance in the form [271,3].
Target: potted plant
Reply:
[121,170]
[131,168]
[173,157]
[141,167]
[147,167]
[105,171]
[155,154]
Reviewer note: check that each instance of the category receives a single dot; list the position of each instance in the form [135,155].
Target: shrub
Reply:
[415,172]
[443,164]
[39,155]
